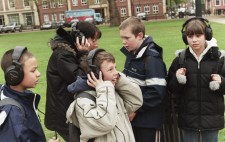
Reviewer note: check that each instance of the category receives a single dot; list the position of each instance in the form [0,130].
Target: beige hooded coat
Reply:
[107,120]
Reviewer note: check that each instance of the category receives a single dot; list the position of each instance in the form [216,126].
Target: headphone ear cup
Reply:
[184,37]
[208,33]
[95,70]
[14,75]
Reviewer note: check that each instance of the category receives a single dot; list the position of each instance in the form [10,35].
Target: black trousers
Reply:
[147,135]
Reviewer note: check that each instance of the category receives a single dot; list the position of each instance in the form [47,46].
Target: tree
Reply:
[114,17]
[36,2]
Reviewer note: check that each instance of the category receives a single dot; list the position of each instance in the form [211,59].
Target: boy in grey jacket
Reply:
[105,119]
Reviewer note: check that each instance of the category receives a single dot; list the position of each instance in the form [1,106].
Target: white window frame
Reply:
[123,12]
[60,3]
[138,9]
[54,17]
[217,3]
[83,2]
[44,4]
[11,3]
[155,8]
[75,2]
[61,17]
[98,1]
[26,3]
[53,3]
[147,9]
[46,18]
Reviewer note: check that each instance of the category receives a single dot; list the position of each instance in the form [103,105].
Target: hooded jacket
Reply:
[14,125]
[147,69]
[105,120]
[199,107]
[62,70]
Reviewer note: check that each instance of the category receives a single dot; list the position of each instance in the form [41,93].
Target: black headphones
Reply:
[90,58]
[208,29]
[14,73]
[76,33]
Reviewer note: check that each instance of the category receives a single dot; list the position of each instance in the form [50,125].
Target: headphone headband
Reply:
[195,18]
[90,58]
[92,54]
[17,52]
[208,30]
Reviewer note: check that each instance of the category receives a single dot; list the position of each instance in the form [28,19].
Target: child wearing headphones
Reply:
[103,118]
[21,72]
[199,83]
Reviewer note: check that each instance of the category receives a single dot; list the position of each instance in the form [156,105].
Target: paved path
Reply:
[217,19]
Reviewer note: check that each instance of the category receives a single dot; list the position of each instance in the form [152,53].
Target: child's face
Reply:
[31,73]
[197,42]
[109,71]
[130,42]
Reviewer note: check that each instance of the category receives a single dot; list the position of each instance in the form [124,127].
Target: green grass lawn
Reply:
[167,34]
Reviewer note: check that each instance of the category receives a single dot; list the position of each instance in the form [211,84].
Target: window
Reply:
[123,12]
[217,2]
[11,3]
[83,2]
[75,2]
[28,17]
[54,17]
[26,3]
[61,17]
[138,9]
[46,18]
[60,3]
[147,9]
[155,8]
[44,4]
[13,18]
[97,1]
[53,4]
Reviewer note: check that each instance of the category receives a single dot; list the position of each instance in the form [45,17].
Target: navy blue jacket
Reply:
[147,69]
[16,127]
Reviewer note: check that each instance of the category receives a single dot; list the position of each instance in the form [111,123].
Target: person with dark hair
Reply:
[63,68]
[112,97]
[19,119]
[198,80]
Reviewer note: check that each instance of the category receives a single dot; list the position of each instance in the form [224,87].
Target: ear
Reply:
[140,35]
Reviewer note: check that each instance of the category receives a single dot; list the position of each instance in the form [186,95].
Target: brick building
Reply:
[20,11]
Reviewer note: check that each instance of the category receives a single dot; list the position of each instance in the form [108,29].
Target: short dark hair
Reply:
[6,60]
[89,30]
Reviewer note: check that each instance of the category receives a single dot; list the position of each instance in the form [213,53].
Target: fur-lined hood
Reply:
[59,43]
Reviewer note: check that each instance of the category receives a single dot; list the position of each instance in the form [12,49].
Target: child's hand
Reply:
[181,71]
[93,81]
[84,45]
[131,116]
[215,83]
[180,74]
[54,140]
[216,77]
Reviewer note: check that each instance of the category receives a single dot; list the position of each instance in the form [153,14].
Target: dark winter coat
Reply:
[62,70]
[147,69]
[199,107]
[16,126]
